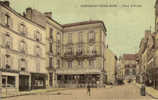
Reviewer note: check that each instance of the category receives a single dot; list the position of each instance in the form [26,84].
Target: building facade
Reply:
[38,52]
[111,61]
[120,70]
[22,51]
[130,66]
[83,60]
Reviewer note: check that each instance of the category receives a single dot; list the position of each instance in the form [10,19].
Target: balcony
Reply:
[51,68]
[80,55]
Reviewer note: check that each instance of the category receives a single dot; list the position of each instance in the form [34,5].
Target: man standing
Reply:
[89,89]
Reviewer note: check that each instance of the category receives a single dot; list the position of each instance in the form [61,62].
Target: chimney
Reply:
[48,14]
[28,13]
[6,3]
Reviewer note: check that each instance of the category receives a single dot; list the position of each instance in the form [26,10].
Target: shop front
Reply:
[38,80]
[24,83]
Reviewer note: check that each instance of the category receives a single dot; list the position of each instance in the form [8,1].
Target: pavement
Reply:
[124,92]
[32,92]
[150,91]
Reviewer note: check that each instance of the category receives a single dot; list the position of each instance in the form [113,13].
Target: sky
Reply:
[125,24]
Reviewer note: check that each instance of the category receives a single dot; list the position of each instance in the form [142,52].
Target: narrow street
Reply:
[124,92]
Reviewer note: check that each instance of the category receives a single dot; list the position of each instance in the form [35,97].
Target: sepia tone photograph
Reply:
[78,49]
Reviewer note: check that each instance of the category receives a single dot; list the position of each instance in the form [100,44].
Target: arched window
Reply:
[8,41]
[22,29]
[22,46]
[22,64]
[38,36]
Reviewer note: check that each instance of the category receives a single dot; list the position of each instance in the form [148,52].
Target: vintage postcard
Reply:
[78,49]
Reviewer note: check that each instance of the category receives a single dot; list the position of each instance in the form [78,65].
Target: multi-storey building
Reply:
[146,57]
[22,51]
[130,66]
[120,70]
[83,54]
[111,61]
[38,52]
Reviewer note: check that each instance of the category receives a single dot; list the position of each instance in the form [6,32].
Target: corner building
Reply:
[83,59]
[38,52]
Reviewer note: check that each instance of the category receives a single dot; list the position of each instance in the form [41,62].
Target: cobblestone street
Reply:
[125,92]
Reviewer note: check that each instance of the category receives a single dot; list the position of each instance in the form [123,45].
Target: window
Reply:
[8,61]
[58,37]
[50,62]
[22,29]
[69,37]
[127,71]
[22,46]
[79,52]
[91,62]
[70,64]
[8,41]
[58,63]
[69,50]
[11,81]
[91,36]
[7,20]
[22,64]
[38,66]
[50,47]
[80,37]
[37,36]
[38,51]
[8,81]
[51,33]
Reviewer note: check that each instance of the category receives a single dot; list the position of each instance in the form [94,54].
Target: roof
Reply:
[18,14]
[84,23]
[130,56]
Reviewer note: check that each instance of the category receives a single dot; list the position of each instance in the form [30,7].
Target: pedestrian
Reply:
[89,89]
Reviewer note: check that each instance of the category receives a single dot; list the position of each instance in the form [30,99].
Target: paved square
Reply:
[125,92]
